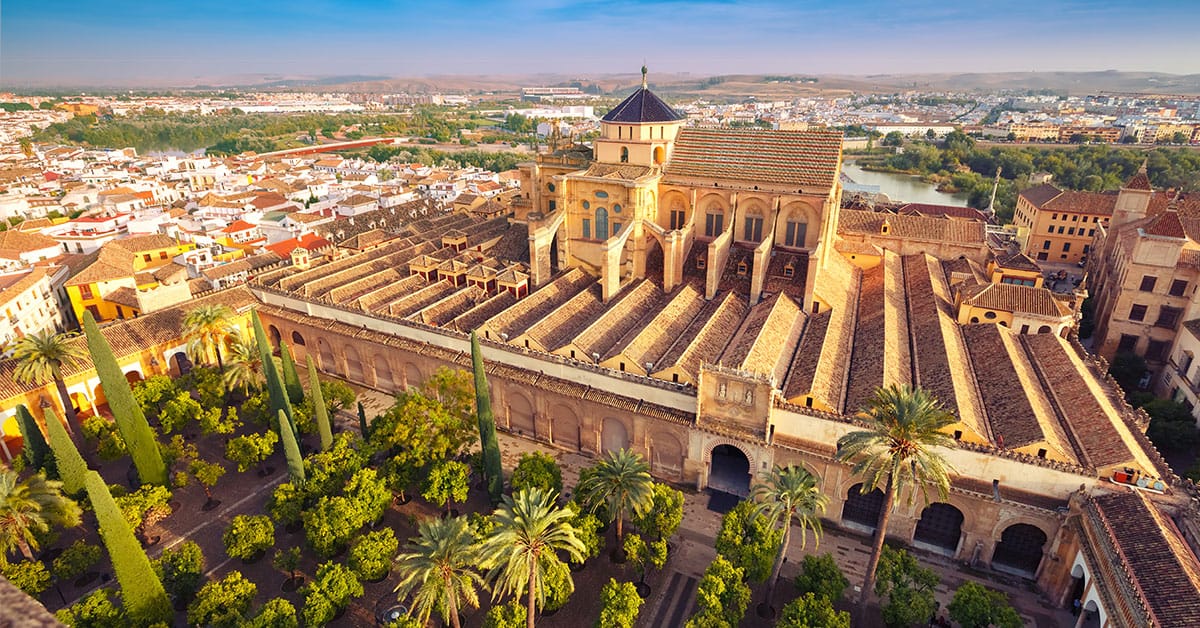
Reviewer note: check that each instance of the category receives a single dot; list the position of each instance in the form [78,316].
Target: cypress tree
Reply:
[291,379]
[141,590]
[291,451]
[279,398]
[487,425]
[35,450]
[143,446]
[362,420]
[320,412]
[71,467]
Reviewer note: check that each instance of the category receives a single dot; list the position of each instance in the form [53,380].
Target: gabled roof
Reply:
[1007,297]
[1041,194]
[642,107]
[942,211]
[805,159]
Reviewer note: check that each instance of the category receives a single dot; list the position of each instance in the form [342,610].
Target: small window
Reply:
[146,257]
[553,206]
[989,315]
[1050,229]
[1137,312]
[624,155]
[1045,245]
[622,367]
[616,207]
[1071,231]
[1041,453]
[1128,343]
[601,194]
[1024,329]
[742,268]
[550,186]
[957,434]
[1074,218]
[1178,287]
[675,377]
[587,228]
[587,205]
[789,271]
[1148,282]
[1156,350]
[1066,247]
[1060,229]
[701,263]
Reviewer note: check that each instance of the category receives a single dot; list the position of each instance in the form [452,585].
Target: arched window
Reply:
[601,223]
[624,155]
[660,153]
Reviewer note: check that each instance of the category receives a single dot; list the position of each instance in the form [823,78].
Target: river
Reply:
[903,187]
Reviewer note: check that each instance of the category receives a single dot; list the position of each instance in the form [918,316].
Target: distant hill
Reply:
[688,85]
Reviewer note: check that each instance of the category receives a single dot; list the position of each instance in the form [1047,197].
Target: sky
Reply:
[172,42]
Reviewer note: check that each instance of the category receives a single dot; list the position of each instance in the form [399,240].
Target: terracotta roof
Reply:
[1049,198]
[18,609]
[942,211]
[642,107]
[805,159]
[1158,564]
[1017,261]
[611,171]
[13,285]
[24,242]
[1008,297]
[1041,194]
[1166,224]
[124,296]
[1139,181]
[856,221]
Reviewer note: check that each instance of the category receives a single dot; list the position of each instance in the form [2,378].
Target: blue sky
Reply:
[180,43]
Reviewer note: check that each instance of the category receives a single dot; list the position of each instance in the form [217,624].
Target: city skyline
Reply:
[178,44]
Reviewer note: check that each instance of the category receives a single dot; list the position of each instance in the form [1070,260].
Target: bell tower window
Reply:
[624,155]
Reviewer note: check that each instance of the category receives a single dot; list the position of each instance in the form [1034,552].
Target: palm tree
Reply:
[897,450]
[245,362]
[29,508]
[792,495]
[205,329]
[530,531]
[622,483]
[441,569]
[41,357]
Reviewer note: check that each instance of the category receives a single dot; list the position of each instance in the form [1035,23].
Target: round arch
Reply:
[730,468]
[133,377]
[297,339]
[1044,329]
[83,406]
[613,435]
[666,455]
[98,398]
[798,225]
[752,220]
[940,528]
[276,337]
[383,374]
[660,155]
[673,201]
[520,414]
[862,509]
[179,364]
[354,367]
[564,427]
[1020,549]
[412,376]
[325,359]
[714,215]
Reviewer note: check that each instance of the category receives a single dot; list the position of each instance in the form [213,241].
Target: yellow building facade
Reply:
[130,277]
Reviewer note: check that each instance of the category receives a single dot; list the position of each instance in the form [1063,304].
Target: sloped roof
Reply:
[1013,298]
[1166,224]
[942,211]
[1048,197]
[642,107]
[1154,557]
[1017,261]
[856,221]
[1139,181]
[805,159]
